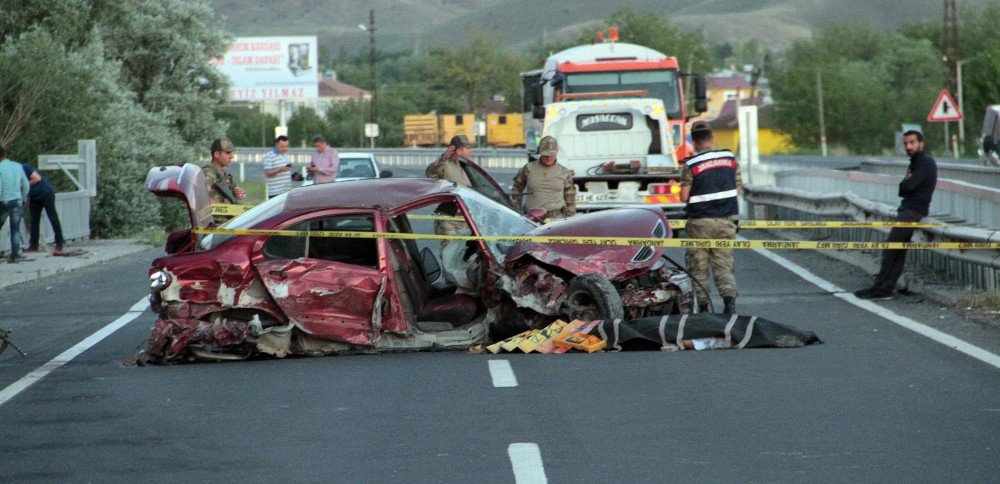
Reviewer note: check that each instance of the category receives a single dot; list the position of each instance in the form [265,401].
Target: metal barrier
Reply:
[977,268]
[505,158]
[979,175]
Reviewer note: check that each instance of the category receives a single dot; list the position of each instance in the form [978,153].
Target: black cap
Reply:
[700,126]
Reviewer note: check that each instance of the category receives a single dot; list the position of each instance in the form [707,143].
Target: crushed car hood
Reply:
[607,261]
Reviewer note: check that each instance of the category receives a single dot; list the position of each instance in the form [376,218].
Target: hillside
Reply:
[422,23]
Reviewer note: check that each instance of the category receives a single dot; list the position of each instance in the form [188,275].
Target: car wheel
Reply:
[590,297]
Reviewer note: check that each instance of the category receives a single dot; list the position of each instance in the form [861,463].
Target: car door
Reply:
[483,183]
[332,288]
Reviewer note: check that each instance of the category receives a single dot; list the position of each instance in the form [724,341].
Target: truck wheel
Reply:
[590,298]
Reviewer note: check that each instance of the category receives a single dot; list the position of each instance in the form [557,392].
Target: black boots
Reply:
[729,305]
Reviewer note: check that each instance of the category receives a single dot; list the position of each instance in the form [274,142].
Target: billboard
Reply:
[266,68]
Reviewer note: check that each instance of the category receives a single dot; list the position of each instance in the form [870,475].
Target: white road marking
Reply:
[66,356]
[502,374]
[527,462]
[919,328]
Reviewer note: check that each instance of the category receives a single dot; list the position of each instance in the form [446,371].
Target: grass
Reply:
[980,301]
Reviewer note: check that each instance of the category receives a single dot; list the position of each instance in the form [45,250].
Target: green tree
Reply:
[303,124]
[248,127]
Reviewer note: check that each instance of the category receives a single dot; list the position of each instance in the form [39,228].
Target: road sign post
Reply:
[945,109]
[371,131]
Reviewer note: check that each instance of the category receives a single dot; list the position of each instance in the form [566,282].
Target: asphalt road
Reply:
[876,402]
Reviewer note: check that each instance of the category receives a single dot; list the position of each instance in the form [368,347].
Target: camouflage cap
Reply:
[223,144]
[461,141]
[548,146]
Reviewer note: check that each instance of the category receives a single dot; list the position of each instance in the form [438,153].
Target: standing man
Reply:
[13,193]
[917,188]
[549,185]
[710,185]
[275,167]
[325,161]
[449,167]
[221,188]
[42,196]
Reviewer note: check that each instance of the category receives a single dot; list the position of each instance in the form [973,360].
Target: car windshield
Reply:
[356,167]
[246,220]
[491,218]
[660,84]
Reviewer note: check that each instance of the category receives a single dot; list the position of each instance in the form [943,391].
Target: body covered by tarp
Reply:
[701,331]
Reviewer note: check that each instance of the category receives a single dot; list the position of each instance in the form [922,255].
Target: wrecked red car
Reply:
[227,297]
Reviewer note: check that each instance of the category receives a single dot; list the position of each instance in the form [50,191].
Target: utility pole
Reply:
[961,105]
[371,60]
[819,102]
[949,43]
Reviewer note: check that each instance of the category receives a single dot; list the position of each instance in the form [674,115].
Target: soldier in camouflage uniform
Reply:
[546,184]
[449,167]
[221,188]
[710,184]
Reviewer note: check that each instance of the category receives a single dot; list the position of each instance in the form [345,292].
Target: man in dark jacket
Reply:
[917,188]
[41,196]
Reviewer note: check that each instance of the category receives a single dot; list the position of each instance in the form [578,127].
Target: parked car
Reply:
[233,296]
[356,166]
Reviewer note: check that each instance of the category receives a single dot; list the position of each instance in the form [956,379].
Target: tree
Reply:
[303,125]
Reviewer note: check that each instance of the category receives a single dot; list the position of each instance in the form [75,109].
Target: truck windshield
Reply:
[658,84]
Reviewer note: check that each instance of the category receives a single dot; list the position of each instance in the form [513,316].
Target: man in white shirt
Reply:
[276,167]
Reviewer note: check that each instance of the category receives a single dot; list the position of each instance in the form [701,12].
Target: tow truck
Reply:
[619,114]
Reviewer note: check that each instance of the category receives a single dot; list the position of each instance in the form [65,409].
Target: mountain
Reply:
[417,24]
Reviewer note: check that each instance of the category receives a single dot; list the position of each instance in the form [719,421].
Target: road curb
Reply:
[45,265]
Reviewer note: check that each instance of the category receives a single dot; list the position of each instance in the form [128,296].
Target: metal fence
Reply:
[980,175]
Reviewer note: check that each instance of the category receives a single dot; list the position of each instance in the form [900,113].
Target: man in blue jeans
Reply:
[13,193]
[41,196]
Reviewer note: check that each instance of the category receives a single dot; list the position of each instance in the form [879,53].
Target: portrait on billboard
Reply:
[298,58]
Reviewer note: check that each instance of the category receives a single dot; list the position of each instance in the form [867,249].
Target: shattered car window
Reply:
[491,218]
[246,220]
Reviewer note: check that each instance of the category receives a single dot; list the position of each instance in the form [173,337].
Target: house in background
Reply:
[724,89]
[727,129]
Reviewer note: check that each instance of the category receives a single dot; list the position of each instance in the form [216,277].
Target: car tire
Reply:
[591,298]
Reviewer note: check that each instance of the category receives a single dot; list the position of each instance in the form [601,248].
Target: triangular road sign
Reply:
[945,109]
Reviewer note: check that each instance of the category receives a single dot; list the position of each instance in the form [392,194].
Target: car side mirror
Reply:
[537,96]
[538,112]
[430,264]
[537,214]
[700,94]
[385,174]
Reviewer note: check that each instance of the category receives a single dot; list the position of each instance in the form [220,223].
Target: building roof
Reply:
[727,115]
[329,87]
[731,82]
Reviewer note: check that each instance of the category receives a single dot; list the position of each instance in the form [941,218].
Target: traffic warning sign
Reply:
[945,109]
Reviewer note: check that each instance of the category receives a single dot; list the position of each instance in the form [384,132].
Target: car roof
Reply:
[384,193]
[352,154]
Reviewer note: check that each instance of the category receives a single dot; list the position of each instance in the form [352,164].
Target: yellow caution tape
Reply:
[233,210]
[616,241]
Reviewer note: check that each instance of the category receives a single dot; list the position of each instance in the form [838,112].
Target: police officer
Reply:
[221,188]
[546,184]
[710,183]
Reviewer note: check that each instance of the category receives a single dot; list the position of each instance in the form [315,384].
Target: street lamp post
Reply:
[374,76]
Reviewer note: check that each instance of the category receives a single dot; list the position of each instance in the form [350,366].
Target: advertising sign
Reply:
[266,68]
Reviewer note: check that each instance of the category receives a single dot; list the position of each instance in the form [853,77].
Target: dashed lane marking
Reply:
[66,356]
[917,327]
[502,374]
[526,459]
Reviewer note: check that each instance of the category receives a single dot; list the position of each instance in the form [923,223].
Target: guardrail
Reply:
[812,195]
[505,158]
[953,202]
[979,175]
